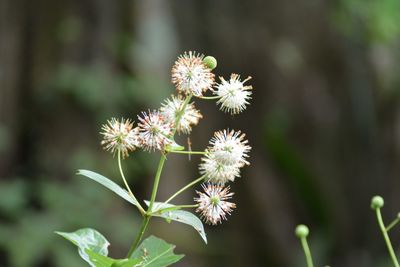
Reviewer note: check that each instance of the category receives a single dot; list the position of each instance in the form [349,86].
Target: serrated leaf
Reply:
[87,239]
[110,185]
[181,216]
[155,252]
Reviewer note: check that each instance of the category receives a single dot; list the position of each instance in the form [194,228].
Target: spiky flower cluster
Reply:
[213,204]
[234,95]
[120,136]
[191,75]
[171,108]
[228,150]
[154,131]
[227,153]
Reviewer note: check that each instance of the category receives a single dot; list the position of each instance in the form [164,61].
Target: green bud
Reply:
[377,202]
[302,231]
[210,62]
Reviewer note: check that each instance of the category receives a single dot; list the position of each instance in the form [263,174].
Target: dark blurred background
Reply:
[324,124]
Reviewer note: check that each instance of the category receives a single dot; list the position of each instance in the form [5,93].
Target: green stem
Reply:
[142,211]
[188,152]
[307,251]
[392,224]
[160,211]
[184,188]
[147,215]
[139,236]
[180,114]
[209,97]
[386,237]
[156,181]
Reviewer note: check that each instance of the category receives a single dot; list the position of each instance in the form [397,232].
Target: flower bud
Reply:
[302,231]
[210,62]
[377,202]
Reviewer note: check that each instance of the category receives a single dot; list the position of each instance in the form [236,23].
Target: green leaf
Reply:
[103,261]
[109,184]
[156,252]
[128,263]
[181,216]
[99,260]
[174,147]
[88,239]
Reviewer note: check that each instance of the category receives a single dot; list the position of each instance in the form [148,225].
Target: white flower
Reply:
[154,131]
[119,136]
[172,107]
[191,75]
[230,147]
[234,95]
[213,206]
[217,172]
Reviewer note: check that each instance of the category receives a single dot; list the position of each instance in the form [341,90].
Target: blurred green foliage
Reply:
[378,20]
[28,232]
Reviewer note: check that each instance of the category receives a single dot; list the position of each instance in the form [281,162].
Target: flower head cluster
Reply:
[154,131]
[191,75]
[234,95]
[172,107]
[213,204]
[227,153]
[119,135]
[228,150]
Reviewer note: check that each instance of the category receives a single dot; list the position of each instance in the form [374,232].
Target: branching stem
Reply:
[142,211]
[188,152]
[386,237]
[198,180]
[147,215]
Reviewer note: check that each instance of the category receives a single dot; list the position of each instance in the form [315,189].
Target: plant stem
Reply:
[392,224]
[156,182]
[209,97]
[160,211]
[188,152]
[139,236]
[184,188]
[307,251]
[147,215]
[386,237]
[142,211]
[180,114]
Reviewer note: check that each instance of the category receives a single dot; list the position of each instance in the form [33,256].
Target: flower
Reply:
[234,95]
[191,75]
[213,206]
[154,131]
[230,147]
[119,136]
[217,172]
[172,107]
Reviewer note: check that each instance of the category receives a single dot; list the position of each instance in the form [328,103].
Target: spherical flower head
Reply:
[377,202]
[230,148]
[213,204]
[302,231]
[234,95]
[120,136]
[210,62]
[171,108]
[191,75]
[217,172]
[154,131]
